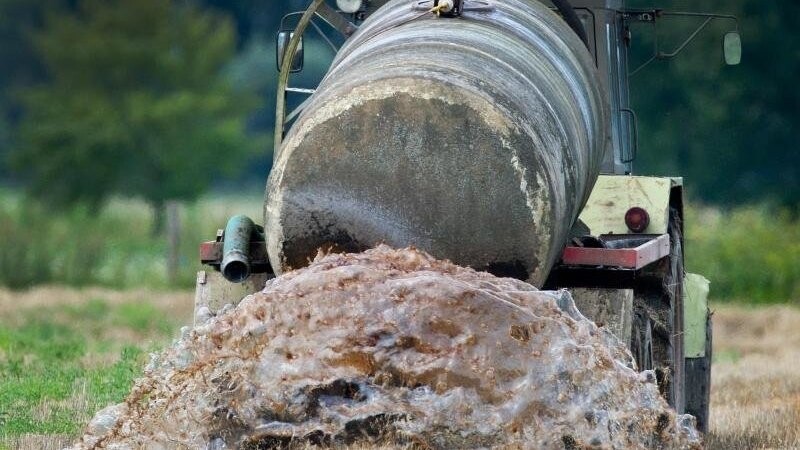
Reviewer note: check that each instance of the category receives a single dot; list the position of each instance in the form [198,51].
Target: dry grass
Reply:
[756,379]
[756,376]
[12,303]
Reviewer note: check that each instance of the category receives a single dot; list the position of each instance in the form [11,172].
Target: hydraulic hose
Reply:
[568,13]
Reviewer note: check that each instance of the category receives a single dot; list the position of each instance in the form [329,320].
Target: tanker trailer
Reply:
[498,135]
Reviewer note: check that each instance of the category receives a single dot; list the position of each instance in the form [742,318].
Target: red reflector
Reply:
[637,219]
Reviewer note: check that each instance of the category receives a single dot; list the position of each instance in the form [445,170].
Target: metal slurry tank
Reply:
[477,139]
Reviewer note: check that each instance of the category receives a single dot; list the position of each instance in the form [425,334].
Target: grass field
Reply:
[65,353]
[755,400]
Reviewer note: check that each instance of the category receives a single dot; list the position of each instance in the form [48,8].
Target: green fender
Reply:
[695,315]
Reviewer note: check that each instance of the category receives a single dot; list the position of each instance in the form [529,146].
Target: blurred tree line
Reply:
[731,131]
[160,98]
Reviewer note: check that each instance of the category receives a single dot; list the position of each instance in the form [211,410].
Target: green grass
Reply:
[59,364]
[114,248]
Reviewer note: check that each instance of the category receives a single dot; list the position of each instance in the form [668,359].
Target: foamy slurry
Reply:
[394,346]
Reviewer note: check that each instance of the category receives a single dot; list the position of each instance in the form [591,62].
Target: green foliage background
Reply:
[111,247]
[728,130]
[731,131]
[135,103]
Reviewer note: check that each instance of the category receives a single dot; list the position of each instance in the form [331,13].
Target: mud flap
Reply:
[695,307]
[697,348]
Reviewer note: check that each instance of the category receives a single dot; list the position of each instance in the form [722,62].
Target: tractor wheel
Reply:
[698,383]
[658,309]
[642,341]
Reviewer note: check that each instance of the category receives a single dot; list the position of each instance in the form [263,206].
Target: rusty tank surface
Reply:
[478,140]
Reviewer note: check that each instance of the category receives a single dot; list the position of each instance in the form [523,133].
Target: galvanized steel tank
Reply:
[477,139]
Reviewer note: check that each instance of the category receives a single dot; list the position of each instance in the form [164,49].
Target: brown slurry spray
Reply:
[394,347]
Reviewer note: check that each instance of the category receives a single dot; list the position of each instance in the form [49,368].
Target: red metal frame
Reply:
[626,258]
[211,252]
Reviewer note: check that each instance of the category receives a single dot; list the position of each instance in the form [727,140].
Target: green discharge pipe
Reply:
[235,265]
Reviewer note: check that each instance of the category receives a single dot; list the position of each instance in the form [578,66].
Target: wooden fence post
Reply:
[173,240]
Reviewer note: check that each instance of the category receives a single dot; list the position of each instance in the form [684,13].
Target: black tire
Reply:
[698,383]
[658,309]
[642,341]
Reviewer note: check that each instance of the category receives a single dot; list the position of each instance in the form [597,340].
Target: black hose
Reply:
[568,13]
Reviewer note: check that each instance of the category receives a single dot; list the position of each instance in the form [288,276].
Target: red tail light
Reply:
[637,219]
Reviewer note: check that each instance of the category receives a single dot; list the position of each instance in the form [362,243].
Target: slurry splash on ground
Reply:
[393,346]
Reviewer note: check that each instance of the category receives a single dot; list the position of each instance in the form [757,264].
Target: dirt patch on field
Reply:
[394,346]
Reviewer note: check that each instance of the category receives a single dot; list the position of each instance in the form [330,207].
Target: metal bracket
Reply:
[625,258]
[635,128]
[336,20]
[318,8]
[464,6]
[647,16]
[283,78]
[211,254]
[652,16]
[301,90]
[454,7]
